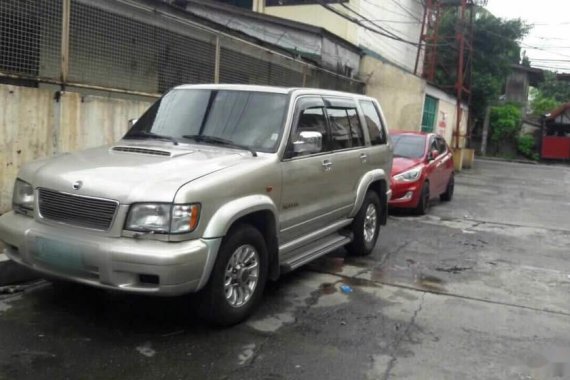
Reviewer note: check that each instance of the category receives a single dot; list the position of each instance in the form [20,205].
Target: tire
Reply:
[423,204]
[222,305]
[366,226]
[448,195]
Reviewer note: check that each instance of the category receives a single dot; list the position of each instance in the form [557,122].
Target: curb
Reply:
[12,273]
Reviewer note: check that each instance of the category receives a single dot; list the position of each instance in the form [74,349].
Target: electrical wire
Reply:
[390,10]
[407,11]
[368,20]
[376,29]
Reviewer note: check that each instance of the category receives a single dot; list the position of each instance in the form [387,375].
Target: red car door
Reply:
[444,165]
[431,168]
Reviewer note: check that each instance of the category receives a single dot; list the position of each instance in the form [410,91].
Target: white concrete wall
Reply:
[446,120]
[400,94]
[34,125]
[317,15]
[401,17]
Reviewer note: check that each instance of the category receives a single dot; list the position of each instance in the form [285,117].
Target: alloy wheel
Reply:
[241,275]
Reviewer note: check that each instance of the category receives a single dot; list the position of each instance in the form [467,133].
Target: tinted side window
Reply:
[355,127]
[442,146]
[432,145]
[346,131]
[340,128]
[373,122]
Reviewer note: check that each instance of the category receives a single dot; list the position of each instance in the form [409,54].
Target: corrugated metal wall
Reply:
[35,124]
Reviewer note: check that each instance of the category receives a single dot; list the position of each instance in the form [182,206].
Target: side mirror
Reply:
[433,154]
[308,142]
[132,122]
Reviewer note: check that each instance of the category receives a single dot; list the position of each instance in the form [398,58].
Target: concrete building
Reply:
[388,32]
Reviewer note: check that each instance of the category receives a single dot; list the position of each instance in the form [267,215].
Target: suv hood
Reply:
[401,164]
[149,174]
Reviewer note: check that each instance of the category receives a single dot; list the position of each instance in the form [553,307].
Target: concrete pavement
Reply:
[478,289]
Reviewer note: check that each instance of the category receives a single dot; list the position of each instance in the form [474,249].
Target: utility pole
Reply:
[485,131]
[431,39]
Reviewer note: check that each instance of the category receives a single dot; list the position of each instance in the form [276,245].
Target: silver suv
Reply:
[215,189]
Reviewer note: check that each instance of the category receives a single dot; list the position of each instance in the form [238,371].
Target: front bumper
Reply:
[405,194]
[127,264]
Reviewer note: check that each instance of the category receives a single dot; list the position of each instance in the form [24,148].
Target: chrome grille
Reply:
[77,210]
[129,149]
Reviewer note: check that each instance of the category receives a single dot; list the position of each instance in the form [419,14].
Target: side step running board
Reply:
[311,251]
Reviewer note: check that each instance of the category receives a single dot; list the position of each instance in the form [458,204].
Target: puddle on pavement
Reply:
[430,283]
[360,282]
[408,276]
[336,264]
[327,288]
[329,264]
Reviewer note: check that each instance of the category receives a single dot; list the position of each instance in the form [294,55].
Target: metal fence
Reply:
[127,46]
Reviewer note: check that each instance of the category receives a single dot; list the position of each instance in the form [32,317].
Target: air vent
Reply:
[130,149]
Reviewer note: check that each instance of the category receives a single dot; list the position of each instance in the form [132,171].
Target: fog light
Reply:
[408,196]
[150,279]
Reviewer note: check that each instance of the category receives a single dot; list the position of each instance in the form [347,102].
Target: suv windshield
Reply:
[252,120]
[409,146]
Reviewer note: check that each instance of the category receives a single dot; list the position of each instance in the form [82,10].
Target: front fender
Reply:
[224,218]
[365,181]
[226,215]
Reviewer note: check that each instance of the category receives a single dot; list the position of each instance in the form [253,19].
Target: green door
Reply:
[430,112]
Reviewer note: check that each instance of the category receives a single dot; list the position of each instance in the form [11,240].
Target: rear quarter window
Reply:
[373,122]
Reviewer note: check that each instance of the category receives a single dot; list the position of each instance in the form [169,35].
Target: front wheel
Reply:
[423,204]
[448,195]
[366,226]
[238,278]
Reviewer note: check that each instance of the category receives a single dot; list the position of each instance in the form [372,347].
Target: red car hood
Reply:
[401,164]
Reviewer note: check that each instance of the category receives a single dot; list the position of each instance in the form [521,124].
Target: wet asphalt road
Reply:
[478,289]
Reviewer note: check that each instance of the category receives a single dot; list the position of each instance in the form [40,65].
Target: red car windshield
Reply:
[409,146]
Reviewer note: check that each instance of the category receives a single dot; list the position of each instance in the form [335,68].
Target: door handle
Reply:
[363,158]
[327,165]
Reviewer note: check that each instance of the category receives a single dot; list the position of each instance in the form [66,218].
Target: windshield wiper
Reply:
[219,141]
[150,135]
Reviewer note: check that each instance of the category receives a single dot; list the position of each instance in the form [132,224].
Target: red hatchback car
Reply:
[422,170]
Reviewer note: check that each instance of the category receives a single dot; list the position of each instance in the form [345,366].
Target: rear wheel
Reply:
[448,195]
[423,204]
[366,226]
[238,278]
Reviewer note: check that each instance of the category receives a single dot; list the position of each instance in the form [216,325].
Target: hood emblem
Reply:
[77,185]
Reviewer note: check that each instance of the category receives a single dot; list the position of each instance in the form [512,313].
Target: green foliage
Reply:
[496,46]
[527,147]
[504,122]
[542,104]
[554,88]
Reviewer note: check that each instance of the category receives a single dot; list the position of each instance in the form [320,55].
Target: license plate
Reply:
[61,255]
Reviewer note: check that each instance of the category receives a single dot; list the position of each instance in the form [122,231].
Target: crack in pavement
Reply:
[433,219]
[401,337]
[440,293]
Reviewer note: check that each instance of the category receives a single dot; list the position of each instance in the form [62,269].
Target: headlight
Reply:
[23,199]
[184,218]
[163,218]
[409,176]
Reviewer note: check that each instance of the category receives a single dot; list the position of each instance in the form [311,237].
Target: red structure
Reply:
[430,40]
[555,143]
